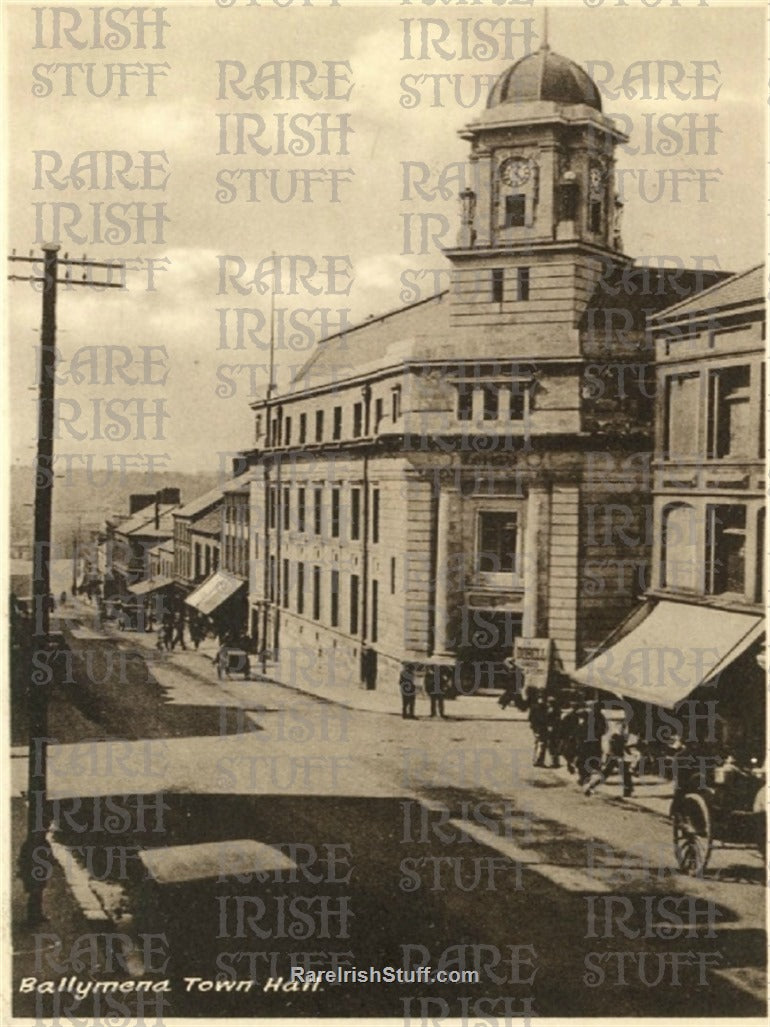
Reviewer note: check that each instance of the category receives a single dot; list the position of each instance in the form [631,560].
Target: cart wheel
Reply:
[692,835]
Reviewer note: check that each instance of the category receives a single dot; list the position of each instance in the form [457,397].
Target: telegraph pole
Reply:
[38,813]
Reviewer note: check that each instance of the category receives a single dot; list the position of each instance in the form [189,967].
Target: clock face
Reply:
[515,171]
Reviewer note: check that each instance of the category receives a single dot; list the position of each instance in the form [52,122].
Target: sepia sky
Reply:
[366,228]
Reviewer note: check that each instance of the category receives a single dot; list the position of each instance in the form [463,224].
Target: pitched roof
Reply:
[210,524]
[747,287]
[201,503]
[641,290]
[144,518]
[379,342]
[165,528]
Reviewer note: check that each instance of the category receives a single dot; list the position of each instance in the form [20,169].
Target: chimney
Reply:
[168,496]
[138,501]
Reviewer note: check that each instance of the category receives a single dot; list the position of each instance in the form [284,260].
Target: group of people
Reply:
[171,632]
[435,682]
[590,746]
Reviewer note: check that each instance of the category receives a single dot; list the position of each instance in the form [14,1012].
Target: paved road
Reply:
[427,842]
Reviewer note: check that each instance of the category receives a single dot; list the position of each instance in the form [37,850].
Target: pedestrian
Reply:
[538,724]
[160,637]
[617,756]
[63,598]
[553,729]
[179,632]
[196,632]
[511,687]
[168,630]
[591,728]
[568,737]
[434,687]
[408,688]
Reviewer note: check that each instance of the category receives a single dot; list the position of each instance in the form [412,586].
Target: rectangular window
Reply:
[595,216]
[300,587]
[337,424]
[355,514]
[375,515]
[316,593]
[395,402]
[286,509]
[302,429]
[317,507]
[319,425]
[392,575]
[285,584]
[335,513]
[287,431]
[300,509]
[491,402]
[271,580]
[358,420]
[498,285]
[518,401]
[375,610]
[682,398]
[497,542]
[334,596]
[379,411]
[726,549]
[353,604]
[522,284]
[515,210]
[729,427]
[272,504]
[464,401]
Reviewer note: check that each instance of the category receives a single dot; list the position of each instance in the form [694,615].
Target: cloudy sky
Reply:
[393,108]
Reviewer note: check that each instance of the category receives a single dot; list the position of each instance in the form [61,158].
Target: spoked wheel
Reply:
[692,835]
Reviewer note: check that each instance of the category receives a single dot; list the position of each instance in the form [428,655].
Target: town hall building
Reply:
[473,470]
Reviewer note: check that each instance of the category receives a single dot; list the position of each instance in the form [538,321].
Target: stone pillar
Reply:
[445,568]
[537,538]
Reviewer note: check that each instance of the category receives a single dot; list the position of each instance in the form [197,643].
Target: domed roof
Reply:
[545,75]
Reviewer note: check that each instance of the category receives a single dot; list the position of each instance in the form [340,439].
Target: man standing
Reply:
[553,729]
[408,691]
[168,630]
[179,632]
[538,722]
[434,686]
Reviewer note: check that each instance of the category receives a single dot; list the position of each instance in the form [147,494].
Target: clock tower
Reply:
[541,213]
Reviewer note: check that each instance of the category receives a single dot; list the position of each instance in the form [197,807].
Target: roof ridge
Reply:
[730,278]
[318,348]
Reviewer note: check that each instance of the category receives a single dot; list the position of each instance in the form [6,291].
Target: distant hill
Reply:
[76,499]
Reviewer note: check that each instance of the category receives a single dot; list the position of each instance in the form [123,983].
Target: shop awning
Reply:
[674,650]
[214,591]
[145,588]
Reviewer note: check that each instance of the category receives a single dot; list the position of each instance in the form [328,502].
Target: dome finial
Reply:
[544,45]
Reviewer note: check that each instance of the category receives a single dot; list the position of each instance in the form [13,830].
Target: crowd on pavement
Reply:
[592,747]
